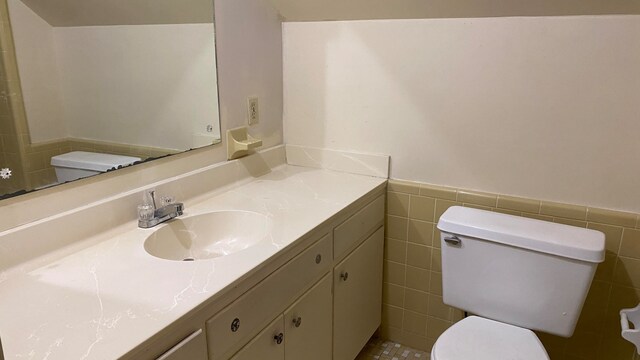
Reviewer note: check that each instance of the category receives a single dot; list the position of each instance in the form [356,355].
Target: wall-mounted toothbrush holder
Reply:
[239,143]
[631,334]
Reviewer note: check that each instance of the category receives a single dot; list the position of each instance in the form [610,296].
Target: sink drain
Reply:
[188,259]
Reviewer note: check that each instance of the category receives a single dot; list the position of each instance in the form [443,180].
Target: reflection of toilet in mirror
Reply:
[79,164]
[517,275]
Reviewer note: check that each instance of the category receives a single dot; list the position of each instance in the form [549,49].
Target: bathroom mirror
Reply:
[123,77]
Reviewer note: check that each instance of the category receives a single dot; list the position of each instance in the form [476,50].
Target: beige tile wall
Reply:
[413,311]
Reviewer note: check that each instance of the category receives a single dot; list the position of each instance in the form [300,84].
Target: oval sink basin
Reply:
[208,235]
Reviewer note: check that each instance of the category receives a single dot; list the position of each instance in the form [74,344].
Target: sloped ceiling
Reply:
[122,12]
[318,10]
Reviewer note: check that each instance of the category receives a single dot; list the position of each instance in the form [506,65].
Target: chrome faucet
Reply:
[150,215]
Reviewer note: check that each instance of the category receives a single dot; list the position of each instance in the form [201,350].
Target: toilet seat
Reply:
[483,339]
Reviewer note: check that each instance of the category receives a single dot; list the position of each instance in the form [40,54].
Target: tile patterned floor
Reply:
[378,349]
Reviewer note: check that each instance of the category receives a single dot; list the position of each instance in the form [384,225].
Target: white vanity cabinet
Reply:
[322,304]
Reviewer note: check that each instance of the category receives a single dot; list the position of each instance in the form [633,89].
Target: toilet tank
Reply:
[529,273]
[79,164]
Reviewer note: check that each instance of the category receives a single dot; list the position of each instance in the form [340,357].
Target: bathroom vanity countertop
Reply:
[105,300]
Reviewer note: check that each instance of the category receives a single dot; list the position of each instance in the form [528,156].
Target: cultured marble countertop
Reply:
[106,299]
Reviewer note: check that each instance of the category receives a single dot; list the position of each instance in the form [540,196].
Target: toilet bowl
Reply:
[79,164]
[517,275]
[483,339]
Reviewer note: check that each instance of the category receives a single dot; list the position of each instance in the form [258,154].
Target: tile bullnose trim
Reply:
[403,186]
[612,217]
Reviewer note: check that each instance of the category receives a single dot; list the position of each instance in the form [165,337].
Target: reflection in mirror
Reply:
[127,79]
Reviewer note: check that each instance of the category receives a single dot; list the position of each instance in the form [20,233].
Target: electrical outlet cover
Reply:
[253,111]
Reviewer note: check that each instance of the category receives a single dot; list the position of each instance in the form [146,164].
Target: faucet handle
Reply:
[167,200]
[146,212]
[151,195]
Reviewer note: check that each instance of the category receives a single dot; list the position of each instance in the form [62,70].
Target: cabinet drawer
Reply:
[355,228]
[241,320]
[193,347]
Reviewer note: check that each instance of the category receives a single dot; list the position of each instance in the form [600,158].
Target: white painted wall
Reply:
[34,43]
[152,85]
[249,49]
[544,107]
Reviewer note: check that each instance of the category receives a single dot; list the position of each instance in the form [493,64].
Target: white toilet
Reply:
[517,275]
[78,164]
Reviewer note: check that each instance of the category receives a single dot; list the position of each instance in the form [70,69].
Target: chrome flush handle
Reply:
[453,240]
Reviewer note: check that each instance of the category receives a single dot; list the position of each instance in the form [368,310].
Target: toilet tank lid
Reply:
[537,235]
[91,161]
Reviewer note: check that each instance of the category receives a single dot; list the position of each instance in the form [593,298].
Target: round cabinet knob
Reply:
[318,258]
[297,321]
[278,338]
[344,276]
[235,325]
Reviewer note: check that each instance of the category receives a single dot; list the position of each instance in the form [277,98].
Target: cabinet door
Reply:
[267,345]
[194,347]
[308,324]
[357,300]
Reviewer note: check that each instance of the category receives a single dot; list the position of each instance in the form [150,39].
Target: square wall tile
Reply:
[583,345]
[394,272]
[396,227]
[438,309]
[436,260]
[435,286]
[419,256]
[392,316]
[416,301]
[435,327]
[414,323]
[604,271]
[627,272]
[613,235]
[630,246]
[422,208]
[395,250]
[398,204]
[393,294]
[420,232]
[417,278]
